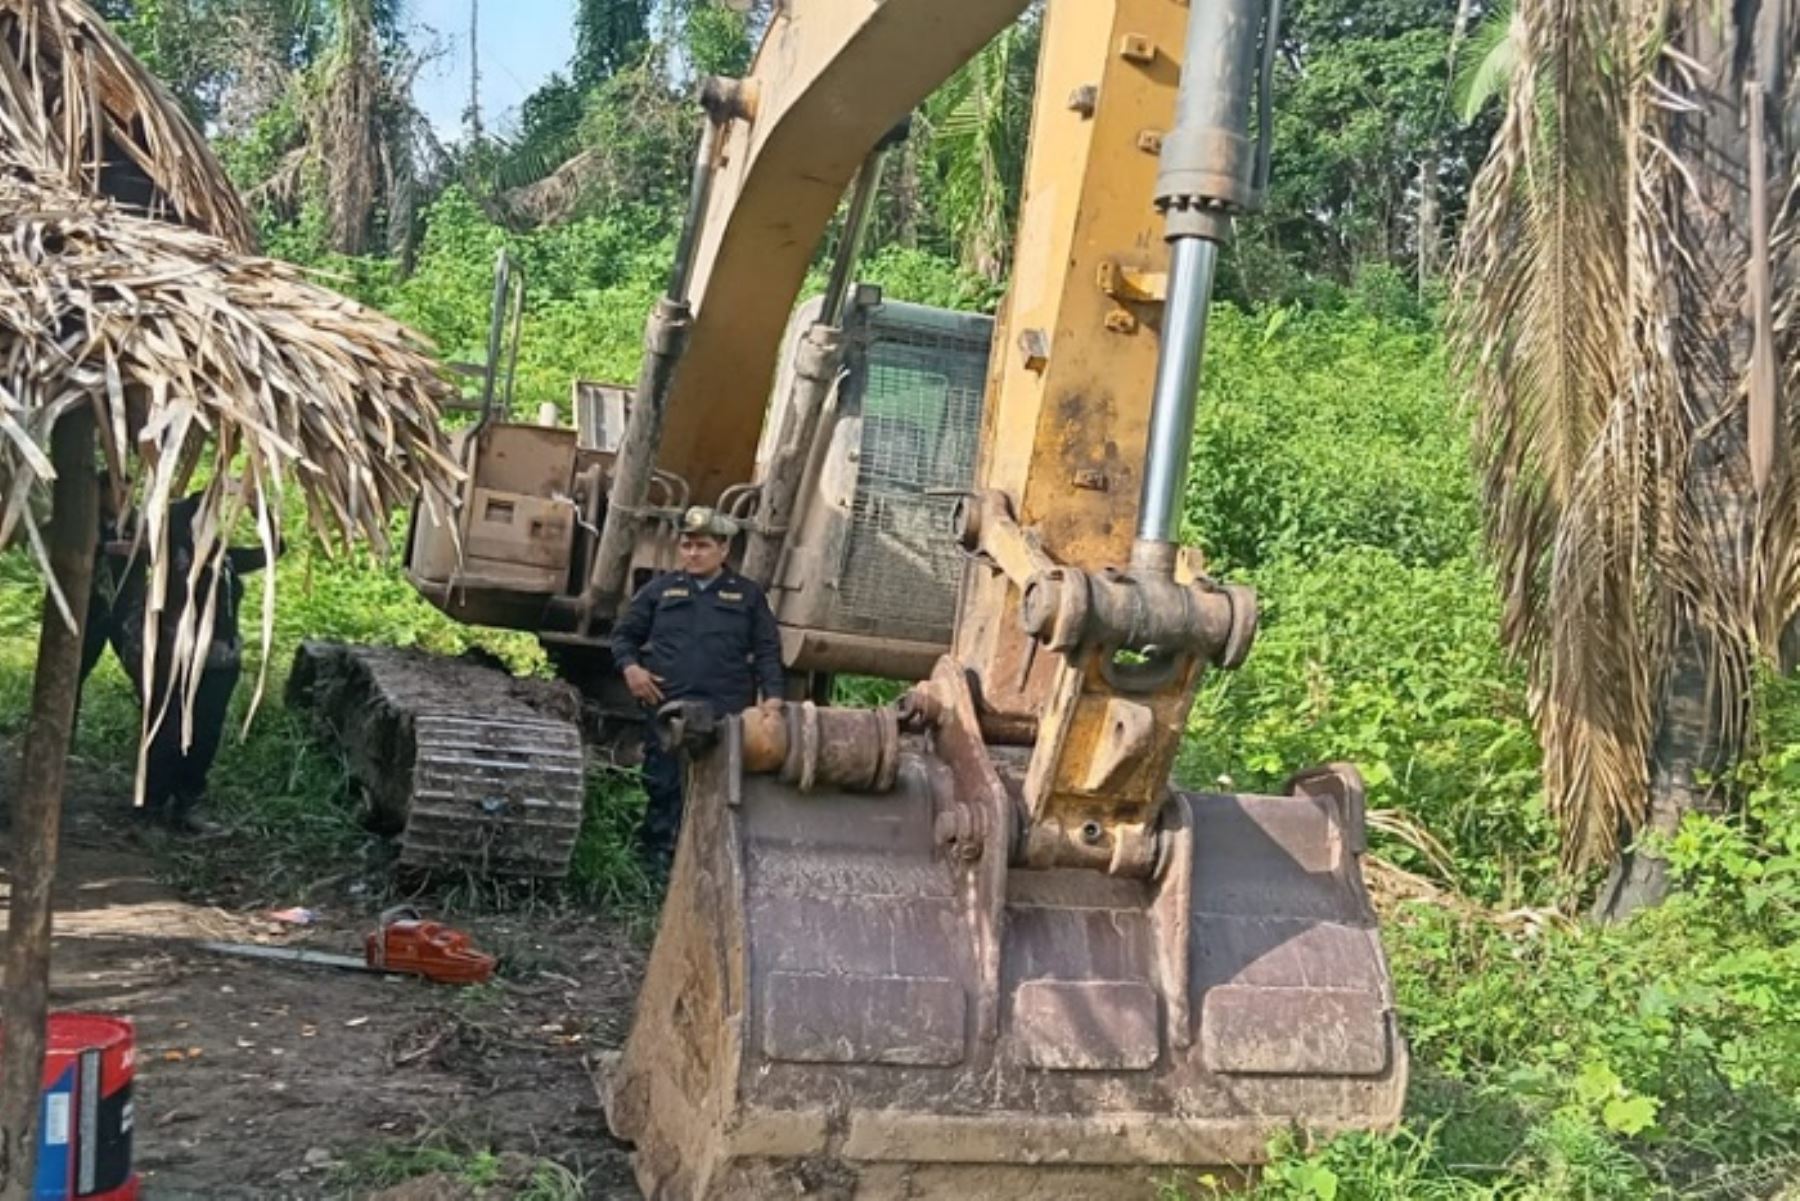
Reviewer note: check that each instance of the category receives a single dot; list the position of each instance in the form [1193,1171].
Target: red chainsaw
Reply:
[403,942]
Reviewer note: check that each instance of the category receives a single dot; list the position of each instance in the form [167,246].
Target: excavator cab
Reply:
[867,578]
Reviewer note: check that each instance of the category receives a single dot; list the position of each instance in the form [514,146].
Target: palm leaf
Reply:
[1542,261]
[1492,55]
[74,102]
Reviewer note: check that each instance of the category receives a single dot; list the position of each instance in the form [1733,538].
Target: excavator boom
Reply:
[829,80]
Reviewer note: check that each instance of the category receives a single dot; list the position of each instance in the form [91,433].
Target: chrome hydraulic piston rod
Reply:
[1210,171]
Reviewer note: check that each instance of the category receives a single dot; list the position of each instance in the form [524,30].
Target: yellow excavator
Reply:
[972,944]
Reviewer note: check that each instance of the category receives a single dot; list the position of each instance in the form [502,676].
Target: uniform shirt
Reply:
[716,642]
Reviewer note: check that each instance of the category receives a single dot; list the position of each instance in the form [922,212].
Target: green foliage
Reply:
[978,124]
[631,148]
[1488,62]
[604,870]
[1325,430]
[548,133]
[1360,110]
[1555,1062]
[717,40]
[589,285]
[475,1167]
[609,35]
[922,277]
[257,154]
[1393,667]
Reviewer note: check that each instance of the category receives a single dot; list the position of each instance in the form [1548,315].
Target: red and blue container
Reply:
[84,1127]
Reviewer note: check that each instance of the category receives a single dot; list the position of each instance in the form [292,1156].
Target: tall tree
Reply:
[344,116]
[472,116]
[978,125]
[1430,229]
[332,120]
[609,36]
[1626,301]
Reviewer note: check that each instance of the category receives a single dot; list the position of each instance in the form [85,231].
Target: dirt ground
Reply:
[259,1079]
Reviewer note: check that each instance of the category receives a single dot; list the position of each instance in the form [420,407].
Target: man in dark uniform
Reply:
[174,776]
[109,559]
[704,633]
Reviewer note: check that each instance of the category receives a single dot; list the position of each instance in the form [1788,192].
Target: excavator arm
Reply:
[977,944]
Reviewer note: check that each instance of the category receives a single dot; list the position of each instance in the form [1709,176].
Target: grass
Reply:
[488,1171]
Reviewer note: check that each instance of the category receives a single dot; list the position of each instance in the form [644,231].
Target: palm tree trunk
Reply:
[352,165]
[1431,219]
[1689,744]
[37,803]
[908,195]
[1704,709]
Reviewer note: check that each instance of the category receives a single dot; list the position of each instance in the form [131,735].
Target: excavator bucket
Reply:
[855,994]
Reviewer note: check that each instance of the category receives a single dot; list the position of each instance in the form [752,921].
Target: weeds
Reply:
[487,1171]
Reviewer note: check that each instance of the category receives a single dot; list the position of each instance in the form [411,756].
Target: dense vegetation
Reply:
[1553,1059]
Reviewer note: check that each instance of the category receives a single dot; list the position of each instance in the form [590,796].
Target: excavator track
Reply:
[472,768]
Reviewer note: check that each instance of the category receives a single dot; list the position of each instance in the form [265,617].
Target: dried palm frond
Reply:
[558,195]
[77,106]
[1602,321]
[1538,290]
[200,364]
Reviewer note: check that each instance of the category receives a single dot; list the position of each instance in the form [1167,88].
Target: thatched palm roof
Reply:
[198,361]
[74,100]
[179,345]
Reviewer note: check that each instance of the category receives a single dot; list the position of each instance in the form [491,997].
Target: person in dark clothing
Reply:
[174,778]
[703,633]
[97,630]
